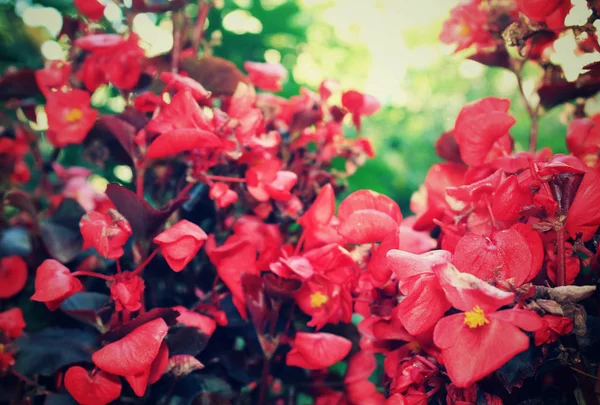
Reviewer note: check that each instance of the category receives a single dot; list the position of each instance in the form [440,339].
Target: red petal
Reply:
[367,226]
[183,364]
[465,291]
[523,318]
[98,41]
[584,214]
[179,83]
[406,265]
[92,9]
[479,351]
[360,367]
[447,330]
[181,229]
[182,112]
[100,389]
[52,281]
[13,276]
[12,322]
[536,246]
[322,209]
[138,382]
[314,351]
[369,200]
[135,352]
[157,369]
[181,140]
[379,264]
[424,306]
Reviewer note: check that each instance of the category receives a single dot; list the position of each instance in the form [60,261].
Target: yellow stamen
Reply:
[74,115]
[318,299]
[464,29]
[475,318]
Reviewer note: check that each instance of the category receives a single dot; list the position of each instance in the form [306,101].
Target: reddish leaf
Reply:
[144,219]
[12,323]
[20,84]
[180,243]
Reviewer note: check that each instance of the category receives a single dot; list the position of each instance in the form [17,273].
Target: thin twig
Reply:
[533,114]
[198,34]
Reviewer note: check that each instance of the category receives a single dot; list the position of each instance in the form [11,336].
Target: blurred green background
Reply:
[388,48]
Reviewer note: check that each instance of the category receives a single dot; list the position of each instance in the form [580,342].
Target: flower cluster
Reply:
[253,273]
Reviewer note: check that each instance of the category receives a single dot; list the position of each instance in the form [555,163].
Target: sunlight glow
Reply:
[242,22]
[46,17]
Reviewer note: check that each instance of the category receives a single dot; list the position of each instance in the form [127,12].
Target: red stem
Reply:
[119,267]
[560,257]
[198,33]
[299,244]
[224,178]
[92,274]
[139,180]
[178,22]
[143,265]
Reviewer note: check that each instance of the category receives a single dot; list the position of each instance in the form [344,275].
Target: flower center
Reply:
[464,29]
[475,318]
[74,115]
[318,299]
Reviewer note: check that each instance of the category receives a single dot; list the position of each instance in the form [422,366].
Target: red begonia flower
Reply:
[70,117]
[379,267]
[288,266]
[266,238]
[107,233]
[12,323]
[325,301]
[183,112]
[134,353]
[482,339]
[504,255]
[510,199]
[360,104]
[479,125]
[333,262]
[180,243]
[13,276]
[182,140]
[140,381]
[244,117]
[425,301]
[314,351]
[469,395]
[554,326]
[180,82]
[467,26]
[193,319]
[583,140]
[92,9]
[147,102]
[234,258]
[429,202]
[99,389]
[54,76]
[54,284]
[222,194]
[266,181]
[266,76]
[127,291]
[584,215]
[368,217]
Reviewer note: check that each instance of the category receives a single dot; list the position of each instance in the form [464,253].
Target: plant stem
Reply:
[143,265]
[224,178]
[92,274]
[119,267]
[178,23]
[264,381]
[533,114]
[139,180]
[560,257]
[198,33]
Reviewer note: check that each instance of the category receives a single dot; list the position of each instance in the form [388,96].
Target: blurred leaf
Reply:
[47,351]
[186,340]
[217,75]
[62,243]
[15,241]
[59,399]
[85,306]
[183,364]
[167,314]
[20,84]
